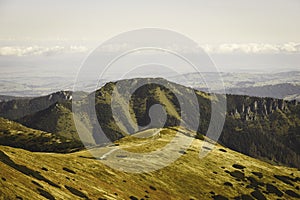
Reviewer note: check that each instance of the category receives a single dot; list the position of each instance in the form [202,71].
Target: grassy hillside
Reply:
[263,128]
[222,174]
[55,119]
[18,108]
[16,135]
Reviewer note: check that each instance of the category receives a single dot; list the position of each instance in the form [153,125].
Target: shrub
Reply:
[199,136]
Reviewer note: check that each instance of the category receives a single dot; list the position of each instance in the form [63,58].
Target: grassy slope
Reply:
[68,176]
[280,129]
[57,119]
[16,135]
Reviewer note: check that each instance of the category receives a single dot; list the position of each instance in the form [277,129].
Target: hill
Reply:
[16,135]
[222,174]
[264,128]
[57,118]
[280,91]
[283,85]
[18,108]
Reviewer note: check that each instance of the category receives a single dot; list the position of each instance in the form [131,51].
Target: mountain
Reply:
[21,85]
[58,119]
[18,108]
[264,128]
[141,101]
[280,91]
[283,85]
[222,174]
[9,98]
[16,135]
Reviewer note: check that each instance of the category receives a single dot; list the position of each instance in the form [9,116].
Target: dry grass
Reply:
[187,178]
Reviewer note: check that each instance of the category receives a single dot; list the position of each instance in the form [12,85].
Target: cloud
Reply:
[229,48]
[115,47]
[253,48]
[40,50]
[226,48]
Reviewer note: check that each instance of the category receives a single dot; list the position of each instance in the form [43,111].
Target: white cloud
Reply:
[229,48]
[112,48]
[226,48]
[40,50]
[253,48]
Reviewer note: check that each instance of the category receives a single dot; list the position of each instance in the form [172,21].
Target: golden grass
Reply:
[187,178]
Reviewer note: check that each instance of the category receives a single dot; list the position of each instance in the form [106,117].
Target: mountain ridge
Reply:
[253,125]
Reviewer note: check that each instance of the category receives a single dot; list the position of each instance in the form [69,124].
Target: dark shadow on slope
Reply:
[76,192]
[25,170]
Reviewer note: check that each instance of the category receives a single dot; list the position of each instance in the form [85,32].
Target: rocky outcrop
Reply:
[250,108]
[60,96]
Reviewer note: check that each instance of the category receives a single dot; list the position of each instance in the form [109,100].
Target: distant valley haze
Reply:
[43,44]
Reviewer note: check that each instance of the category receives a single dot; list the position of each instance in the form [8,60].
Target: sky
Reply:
[239,35]
[206,21]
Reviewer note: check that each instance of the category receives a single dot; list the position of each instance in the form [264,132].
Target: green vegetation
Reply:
[199,136]
[264,128]
[220,175]
[15,135]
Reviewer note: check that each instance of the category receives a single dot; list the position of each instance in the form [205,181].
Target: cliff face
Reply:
[249,108]
[263,128]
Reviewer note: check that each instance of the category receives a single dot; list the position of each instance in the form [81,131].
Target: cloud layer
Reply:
[40,50]
[253,48]
[230,48]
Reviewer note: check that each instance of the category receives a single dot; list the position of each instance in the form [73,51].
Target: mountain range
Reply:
[282,84]
[264,128]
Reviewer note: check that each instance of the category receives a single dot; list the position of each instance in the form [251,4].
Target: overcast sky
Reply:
[206,21]
[238,34]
